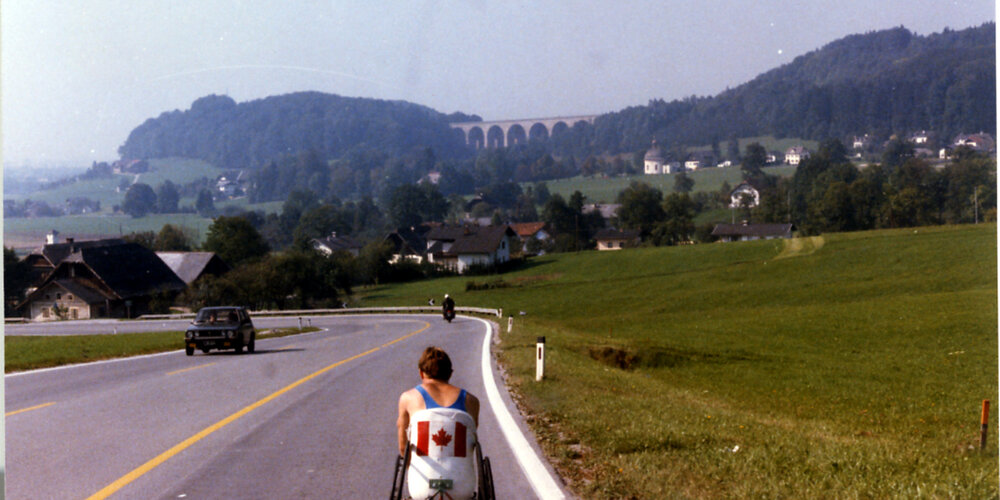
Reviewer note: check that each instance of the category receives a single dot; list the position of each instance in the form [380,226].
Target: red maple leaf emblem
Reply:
[441,438]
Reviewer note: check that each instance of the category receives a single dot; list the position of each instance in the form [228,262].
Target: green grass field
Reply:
[24,233]
[600,190]
[844,366]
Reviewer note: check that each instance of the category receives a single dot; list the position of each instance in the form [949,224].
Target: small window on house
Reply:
[58,296]
[69,296]
[48,297]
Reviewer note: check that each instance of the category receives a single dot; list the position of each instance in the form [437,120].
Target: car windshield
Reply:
[216,316]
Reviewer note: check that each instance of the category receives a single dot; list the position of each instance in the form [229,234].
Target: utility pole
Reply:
[975,204]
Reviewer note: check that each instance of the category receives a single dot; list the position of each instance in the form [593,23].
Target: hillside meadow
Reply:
[605,190]
[843,366]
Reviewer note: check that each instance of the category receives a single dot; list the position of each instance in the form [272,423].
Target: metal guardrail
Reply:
[332,312]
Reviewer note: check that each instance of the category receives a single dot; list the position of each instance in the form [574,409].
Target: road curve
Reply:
[307,416]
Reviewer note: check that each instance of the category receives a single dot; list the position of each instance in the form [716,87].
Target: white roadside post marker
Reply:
[510,323]
[300,322]
[540,360]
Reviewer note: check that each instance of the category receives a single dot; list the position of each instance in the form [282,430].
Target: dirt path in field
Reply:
[796,247]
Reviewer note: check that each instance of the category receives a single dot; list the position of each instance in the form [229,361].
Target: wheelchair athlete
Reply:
[441,420]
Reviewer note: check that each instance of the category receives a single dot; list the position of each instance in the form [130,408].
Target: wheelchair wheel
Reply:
[484,480]
[399,478]
[488,491]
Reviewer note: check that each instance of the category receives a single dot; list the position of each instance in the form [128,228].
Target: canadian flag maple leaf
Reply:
[441,438]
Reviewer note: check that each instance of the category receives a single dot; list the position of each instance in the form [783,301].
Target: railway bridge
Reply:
[501,133]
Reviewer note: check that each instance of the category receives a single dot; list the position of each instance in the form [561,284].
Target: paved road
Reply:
[112,326]
[237,426]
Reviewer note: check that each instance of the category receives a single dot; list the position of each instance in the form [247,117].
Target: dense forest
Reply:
[248,135]
[878,83]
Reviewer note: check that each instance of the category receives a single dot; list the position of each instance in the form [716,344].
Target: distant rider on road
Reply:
[448,308]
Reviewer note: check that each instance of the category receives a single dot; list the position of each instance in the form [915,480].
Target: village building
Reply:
[794,155]
[43,260]
[408,243]
[747,232]
[528,231]
[982,142]
[334,243]
[656,162]
[460,248]
[614,239]
[922,137]
[699,160]
[116,281]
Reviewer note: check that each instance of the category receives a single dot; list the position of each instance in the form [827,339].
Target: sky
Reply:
[76,77]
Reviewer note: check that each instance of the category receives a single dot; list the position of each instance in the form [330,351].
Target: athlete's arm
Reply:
[403,422]
[472,406]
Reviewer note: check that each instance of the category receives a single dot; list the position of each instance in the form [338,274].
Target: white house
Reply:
[796,154]
[656,162]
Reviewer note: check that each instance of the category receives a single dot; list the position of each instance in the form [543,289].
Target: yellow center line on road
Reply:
[189,369]
[176,449]
[22,410]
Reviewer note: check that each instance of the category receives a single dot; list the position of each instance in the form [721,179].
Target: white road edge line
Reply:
[542,482]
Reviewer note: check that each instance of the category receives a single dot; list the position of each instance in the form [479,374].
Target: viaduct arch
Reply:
[498,134]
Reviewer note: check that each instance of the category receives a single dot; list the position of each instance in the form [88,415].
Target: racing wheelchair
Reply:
[443,459]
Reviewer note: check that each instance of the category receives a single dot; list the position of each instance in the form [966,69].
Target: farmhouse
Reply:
[699,160]
[459,248]
[746,231]
[528,231]
[613,239]
[408,244]
[979,142]
[334,243]
[102,281]
[796,154]
[46,258]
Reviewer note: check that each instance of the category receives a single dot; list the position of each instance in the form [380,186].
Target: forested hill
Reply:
[878,83]
[249,134]
[882,82]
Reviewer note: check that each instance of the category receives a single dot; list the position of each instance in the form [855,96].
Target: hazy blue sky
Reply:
[77,76]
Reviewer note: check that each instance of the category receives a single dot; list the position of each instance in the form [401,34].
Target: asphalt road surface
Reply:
[307,416]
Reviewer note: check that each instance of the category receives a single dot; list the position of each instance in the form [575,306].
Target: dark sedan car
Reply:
[220,328]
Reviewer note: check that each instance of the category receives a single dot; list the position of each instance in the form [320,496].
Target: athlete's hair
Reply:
[435,363]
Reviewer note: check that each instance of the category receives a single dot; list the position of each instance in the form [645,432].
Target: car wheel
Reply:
[189,350]
[250,346]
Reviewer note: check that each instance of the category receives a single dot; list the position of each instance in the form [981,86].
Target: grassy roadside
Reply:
[29,352]
[852,366]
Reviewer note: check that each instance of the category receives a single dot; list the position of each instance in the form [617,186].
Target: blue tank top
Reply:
[429,402]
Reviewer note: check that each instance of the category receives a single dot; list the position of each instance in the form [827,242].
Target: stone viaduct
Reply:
[498,134]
